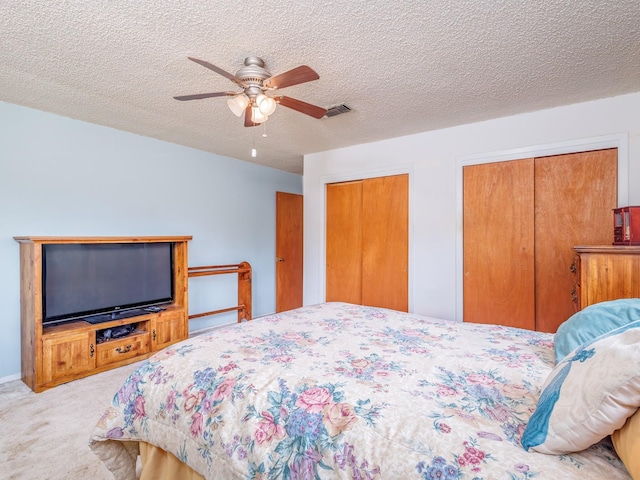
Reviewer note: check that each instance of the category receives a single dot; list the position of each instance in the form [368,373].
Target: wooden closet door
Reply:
[498,243]
[367,242]
[574,198]
[385,242]
[344,242]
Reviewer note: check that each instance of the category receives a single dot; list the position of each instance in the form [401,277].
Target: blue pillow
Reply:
[593,321]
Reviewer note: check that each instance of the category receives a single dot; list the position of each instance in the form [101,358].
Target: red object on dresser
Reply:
[626,226]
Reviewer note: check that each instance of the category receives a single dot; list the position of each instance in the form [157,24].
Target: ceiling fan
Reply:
[255,82]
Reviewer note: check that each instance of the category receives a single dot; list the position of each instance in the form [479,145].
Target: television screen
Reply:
[81,280]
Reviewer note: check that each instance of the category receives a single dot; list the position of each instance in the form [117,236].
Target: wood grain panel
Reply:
[115,351]
[289,251]
[30,302]
[167,329]
[385,241]
[498,243]
[344,242]
[608,272]
[67,357]
[574,198]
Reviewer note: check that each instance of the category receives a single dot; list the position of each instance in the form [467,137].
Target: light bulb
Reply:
[257,116]
[267,105]
[238,103]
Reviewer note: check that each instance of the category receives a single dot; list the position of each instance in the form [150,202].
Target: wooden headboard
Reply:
[243,270]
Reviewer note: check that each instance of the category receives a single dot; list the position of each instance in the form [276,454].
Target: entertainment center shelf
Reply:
[58,353]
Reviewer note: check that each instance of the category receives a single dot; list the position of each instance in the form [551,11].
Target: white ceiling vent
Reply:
[337,110]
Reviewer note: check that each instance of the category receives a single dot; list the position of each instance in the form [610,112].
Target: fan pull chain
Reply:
[254,153]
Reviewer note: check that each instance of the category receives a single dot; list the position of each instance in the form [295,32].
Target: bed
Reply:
[342,391]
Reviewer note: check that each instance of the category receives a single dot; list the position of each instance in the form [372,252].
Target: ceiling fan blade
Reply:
[247,118]
[298,75]
[302,107]
[198,96]
[218,70]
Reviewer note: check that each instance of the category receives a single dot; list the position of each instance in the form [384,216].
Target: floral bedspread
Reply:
[344,391]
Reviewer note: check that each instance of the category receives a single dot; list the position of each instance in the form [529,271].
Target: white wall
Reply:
[64,177]
[434,161]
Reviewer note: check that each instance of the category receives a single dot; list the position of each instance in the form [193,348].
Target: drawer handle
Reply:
[123,350]
[92,350]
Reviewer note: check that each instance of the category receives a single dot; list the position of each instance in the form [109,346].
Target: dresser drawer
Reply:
[115,351]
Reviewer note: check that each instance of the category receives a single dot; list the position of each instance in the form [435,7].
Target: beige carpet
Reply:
[46,435]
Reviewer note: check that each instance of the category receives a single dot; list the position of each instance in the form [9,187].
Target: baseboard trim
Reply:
[9,378]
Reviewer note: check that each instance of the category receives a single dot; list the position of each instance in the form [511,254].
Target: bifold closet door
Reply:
[521,220]
[498,222]
[367,239]
[575,195]
[385,241]
[344,242]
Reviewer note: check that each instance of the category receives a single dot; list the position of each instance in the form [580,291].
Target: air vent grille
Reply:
[337,110]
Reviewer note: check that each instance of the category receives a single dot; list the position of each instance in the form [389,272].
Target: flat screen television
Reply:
[100,282]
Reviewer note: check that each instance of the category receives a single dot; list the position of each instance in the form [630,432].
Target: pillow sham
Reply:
[592,322]
[626,441]
[588,395]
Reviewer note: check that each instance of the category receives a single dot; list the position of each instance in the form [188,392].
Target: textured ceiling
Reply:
[402,67]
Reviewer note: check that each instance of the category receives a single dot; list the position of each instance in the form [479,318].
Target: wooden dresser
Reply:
[606,272]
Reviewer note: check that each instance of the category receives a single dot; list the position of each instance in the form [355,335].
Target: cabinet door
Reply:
[498,243]
[575,195]
[67,356]
[344,242]
[168,329]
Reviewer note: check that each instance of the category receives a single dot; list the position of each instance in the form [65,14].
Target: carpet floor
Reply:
[45,436]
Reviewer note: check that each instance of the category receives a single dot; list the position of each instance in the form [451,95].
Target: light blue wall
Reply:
[65,177]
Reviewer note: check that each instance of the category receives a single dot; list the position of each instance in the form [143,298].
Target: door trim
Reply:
[619,141]
[401,169]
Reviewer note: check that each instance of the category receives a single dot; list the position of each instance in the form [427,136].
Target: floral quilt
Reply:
[345,391]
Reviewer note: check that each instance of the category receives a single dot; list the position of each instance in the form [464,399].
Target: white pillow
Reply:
[588,395]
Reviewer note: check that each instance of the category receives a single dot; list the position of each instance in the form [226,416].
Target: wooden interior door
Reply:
[575,195]
[385,242]
[344,242]
[498,243]
[289,251]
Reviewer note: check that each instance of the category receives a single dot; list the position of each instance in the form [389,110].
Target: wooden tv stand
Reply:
[57,354]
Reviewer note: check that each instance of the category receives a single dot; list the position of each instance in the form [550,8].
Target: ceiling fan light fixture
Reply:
[257,116]
[266,105]
[255,80]
[238,103]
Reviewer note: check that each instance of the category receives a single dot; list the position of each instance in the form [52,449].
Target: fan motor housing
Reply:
[253,73]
